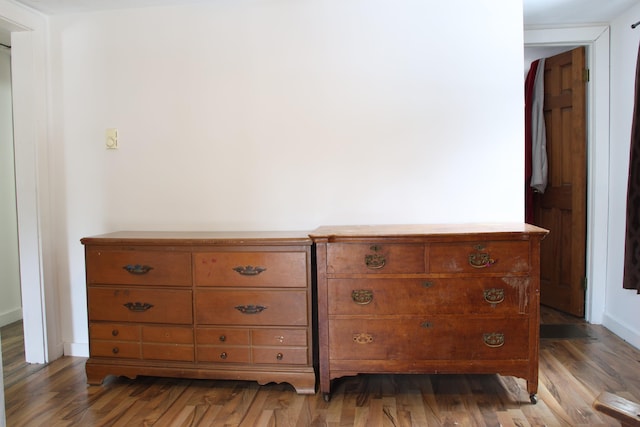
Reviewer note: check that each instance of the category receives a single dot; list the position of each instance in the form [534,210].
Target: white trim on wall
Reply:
[596,39]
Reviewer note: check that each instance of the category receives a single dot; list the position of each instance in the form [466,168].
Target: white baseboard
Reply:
[11,316]
[76,349]
[627,333]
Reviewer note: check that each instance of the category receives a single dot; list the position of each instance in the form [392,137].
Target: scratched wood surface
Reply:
[572,373]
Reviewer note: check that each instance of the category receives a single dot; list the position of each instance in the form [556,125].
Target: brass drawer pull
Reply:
[362,296]
[363,338]
[138,307]
[222,338]
[375,261]
[115,333]
[137,269]
[249,270]
[427,284]
[494,296]
[493,339]
[481,260]
[279,356]
[115,350]
[250,309]
[223,355]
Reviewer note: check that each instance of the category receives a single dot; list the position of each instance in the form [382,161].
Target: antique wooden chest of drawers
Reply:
[428,299]
[201,305]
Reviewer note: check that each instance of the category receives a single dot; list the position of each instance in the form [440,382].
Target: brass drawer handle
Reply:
[137,269]
[493,339]
[115,333]
[427,284]
[375,261]
[362,296]
[138,307]
[223,355]
[115,350]
[494,296]
[481,260]
[279,356]
[222,338]
[362,338]
[250,309]
[249,270]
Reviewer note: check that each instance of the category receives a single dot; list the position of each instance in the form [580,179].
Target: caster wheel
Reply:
[533,398]
[327,397]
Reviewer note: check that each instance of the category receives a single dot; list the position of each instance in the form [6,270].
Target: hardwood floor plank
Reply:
[572,373]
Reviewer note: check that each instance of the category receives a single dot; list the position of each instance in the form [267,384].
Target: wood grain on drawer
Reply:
[140,305]
[220,336]
[280,355]
[479,257]
[133,267]
[429,338]
[114,332]
[167,334]
[119,349]
[279,337]
[285,307]
[247,269]
[177,352]
[375,258]
[224,354]
[437,296]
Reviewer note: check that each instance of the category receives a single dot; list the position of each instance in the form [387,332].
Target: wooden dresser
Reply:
[428,299]
[201,305]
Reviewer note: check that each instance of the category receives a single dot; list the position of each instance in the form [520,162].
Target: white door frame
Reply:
[28,56]
[596,39]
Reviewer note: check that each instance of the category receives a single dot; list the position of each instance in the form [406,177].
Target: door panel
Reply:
[562,207]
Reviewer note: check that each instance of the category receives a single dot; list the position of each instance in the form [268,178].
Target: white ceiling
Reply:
[536,12]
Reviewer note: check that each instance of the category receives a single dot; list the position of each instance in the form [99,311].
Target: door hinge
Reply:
[584,283]
[585,75]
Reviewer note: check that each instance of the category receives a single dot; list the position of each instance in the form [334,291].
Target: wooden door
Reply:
[562,207]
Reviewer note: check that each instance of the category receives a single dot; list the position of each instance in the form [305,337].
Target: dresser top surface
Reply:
[426,230]
[201,238]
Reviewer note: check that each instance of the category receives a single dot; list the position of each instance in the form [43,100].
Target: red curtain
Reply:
[631,279]
[528,101]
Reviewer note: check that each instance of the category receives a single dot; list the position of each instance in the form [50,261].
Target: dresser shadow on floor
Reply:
[563,331]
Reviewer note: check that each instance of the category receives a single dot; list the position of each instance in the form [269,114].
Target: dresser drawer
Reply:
[435,296]
[429,338]
[279,337]
[133,267]
[140,305]
[224,354]
[220,336]
[276,307]
[176,352]
[167,334]
[119,349]
[280,355]
[251,269]
[375,258]
[114,332]
[483,257]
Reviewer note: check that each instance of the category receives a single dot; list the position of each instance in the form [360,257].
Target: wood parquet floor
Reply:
[572,373]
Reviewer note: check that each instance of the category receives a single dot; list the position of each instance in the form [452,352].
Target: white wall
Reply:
[282,115]
[10,303]
[622,306]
